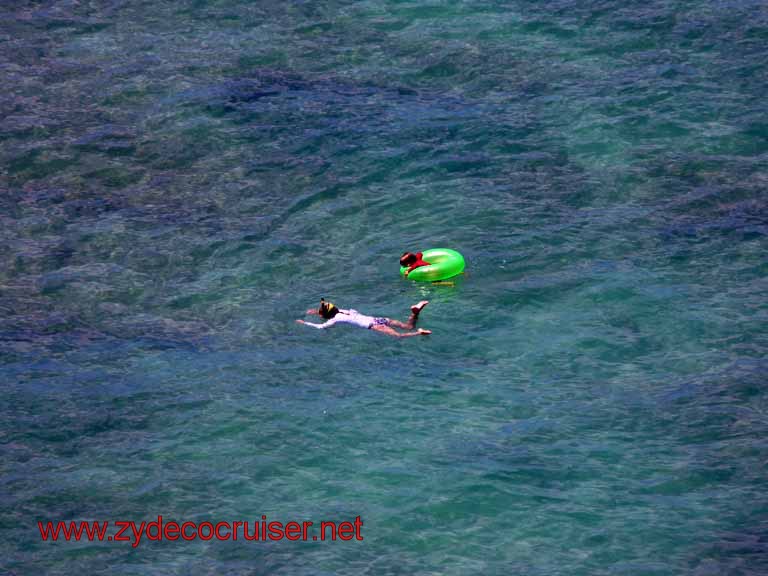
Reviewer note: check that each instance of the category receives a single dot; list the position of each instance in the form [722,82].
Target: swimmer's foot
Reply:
[425,332]
[416,308]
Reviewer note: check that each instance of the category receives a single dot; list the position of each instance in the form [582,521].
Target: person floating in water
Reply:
[412,261]
[334,315]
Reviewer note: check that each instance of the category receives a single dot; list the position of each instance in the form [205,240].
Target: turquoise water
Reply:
[181,180]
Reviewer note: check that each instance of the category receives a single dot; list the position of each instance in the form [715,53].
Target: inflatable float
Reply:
[444,263]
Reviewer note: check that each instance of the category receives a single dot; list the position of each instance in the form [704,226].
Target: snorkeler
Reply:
[412,261]
[334,315]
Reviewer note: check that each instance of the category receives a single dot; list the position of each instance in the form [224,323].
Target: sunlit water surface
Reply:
[181,180]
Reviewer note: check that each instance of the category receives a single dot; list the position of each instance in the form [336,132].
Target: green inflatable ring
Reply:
[443,263]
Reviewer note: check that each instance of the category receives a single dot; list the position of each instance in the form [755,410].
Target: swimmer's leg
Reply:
[392,332]
[415,311]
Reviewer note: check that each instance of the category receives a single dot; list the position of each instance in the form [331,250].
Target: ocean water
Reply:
[180,180]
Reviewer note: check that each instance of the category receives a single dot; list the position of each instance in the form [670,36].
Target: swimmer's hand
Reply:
[406,273]
[425,332]
[300,321]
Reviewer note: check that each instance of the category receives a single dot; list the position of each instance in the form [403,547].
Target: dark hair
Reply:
[327,309]
[408,258]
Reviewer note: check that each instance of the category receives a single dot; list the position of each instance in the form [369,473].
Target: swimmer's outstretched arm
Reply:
[323,326]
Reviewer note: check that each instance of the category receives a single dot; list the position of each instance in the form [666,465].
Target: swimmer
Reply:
[334,315]
[412,261]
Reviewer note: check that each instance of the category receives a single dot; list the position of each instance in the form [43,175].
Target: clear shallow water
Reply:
[181,181]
